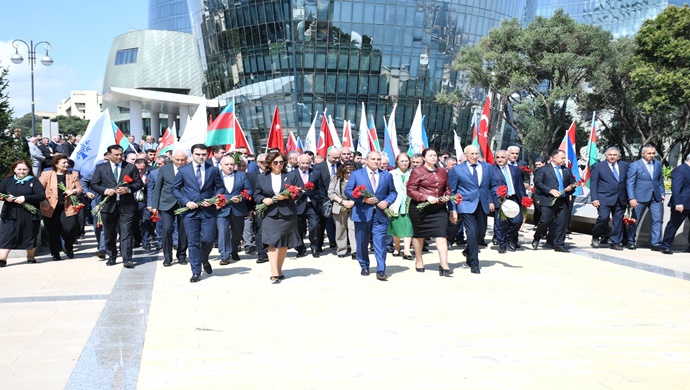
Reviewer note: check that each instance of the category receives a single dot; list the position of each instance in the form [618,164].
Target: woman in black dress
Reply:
[279,230]
[59,214]
[429,183]
[18,227]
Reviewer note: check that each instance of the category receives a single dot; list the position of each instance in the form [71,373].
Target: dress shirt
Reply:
[305,179]
[276,182]
[229,181]
[376,175]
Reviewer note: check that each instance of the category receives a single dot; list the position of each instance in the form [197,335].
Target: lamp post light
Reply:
[18,59]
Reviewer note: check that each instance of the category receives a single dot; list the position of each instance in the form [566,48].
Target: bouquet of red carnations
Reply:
[362,192]
[290,190]
[78,205]
[457,199]
[218,200]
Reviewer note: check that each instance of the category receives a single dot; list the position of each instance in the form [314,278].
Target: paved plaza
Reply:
[589,319]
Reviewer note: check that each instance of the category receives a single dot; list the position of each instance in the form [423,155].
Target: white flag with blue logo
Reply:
[93,145]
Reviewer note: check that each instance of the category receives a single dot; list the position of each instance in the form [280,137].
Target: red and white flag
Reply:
[275,136]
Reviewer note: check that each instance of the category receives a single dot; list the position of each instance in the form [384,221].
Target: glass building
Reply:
[309,55]
[620,17]
[171,15]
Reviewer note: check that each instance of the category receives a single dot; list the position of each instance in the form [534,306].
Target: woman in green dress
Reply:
[400,226]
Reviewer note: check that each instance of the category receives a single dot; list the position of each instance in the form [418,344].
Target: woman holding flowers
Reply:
[400,226]
[342,209]
[429,191]
[19,222]
[275,193]
[61,206]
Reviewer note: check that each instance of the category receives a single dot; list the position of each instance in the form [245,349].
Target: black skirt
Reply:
[431,221]
[280,231]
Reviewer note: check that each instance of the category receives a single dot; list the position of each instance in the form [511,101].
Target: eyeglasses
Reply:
[278,162]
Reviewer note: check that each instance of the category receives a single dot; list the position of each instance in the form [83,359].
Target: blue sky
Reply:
[80,33]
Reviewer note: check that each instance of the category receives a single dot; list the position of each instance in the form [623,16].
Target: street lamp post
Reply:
[17,59]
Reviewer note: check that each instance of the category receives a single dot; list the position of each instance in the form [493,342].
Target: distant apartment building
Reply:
[82,104]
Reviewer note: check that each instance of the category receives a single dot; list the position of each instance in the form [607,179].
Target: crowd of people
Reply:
[187,202]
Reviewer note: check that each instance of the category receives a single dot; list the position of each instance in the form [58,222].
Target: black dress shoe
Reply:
[57,258]
[560,249]
[354,256]
[110,262]
[69,254]
[632,247]
[167,263]
[315,254]
[657,249]
[686,250]
[667,251]
[595,242]
[616,247]
[365,272]
[535,244]
[512,247]
[450,246]
[475,270]
[128,264]
[461,242]
[502,249]
[262,260]
[207,267]
[195,278]
[301,254]
[494,241]
[183,261]
[235,257]
[341,256]
[3,263]
[516,245]
[100,254]
[31,261]
[483,243]
[380,275]
[249,250]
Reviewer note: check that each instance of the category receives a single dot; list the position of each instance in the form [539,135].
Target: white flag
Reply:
[457,145]
[310,140]
[94,144]
[416,138]
[195,130]
[334,133]
[363,138]
[392,132]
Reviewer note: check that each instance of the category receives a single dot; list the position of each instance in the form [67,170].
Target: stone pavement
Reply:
[589,319]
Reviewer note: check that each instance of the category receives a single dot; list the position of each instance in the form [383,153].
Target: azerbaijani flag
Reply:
[222,130]
[120,138]
[373,137]
[168,141]
[592,150]
[568,145]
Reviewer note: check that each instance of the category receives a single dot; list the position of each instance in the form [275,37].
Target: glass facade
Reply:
[309,55]
[126,56]
[171,15]
[620,17]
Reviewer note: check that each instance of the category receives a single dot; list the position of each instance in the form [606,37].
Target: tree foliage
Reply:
[24,123]
[71,125]
[537,71]
[5,109]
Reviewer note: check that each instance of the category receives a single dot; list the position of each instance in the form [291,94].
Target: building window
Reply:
[126,56]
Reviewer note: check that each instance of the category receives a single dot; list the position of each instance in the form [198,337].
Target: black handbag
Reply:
[327,209]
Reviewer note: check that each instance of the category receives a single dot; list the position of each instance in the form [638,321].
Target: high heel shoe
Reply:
[419,269]
[31,261]
[444,272]
[408,257]
[275,279]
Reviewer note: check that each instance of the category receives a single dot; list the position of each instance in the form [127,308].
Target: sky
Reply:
[80,33]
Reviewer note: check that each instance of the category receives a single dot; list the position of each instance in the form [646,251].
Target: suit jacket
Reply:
[66,148]
[604,187]
[45,149]
[49,181]
[151,186]
[545,180]
[315,194]
[161,194]
[499,179]
[103,179]
[251,176]
[263,188]
[240,184]
[385,190]
[680,187]
[322,168]
[461,182]
[186,189]
[641,186]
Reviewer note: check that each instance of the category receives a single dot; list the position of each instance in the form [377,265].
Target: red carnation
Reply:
[527,202]
[220,202]
[309,185]
[245,195]
[525,169]
[155,217]
[357,192]
[127,179]
[502,191]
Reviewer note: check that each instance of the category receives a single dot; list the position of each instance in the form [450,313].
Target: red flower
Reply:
[357,192]
[220,202]
[99,225]
[525,169]
[457,198]
[155,217]
[309,185]
[127,179]
[527,202]
[502,191]
[245,195]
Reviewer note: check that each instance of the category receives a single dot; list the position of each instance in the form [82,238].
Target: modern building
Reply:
[309,55]
[620,17]
[170,15]
[82,104]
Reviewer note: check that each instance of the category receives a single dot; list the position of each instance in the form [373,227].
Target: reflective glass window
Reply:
[126,56]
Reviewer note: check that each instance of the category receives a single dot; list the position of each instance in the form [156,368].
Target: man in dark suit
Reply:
[609,195]
[511,177]
[256,218]
[309,206]
[679,203]
[230,219]
[555,183]
[646,190]
[44,147]
[368,213]
[120,207]
[195,183]
[163,202]
[327,168]
[473,180]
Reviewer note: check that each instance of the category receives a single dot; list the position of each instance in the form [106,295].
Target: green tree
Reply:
[537,71]
[11,149]
[24,123]
[71,124]
[661,71]
[5,109]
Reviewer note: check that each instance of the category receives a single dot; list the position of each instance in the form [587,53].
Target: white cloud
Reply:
[52,83]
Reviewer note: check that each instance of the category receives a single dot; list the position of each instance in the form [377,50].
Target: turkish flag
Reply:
[347,135]
[325,140]
[275,136]
[483,134]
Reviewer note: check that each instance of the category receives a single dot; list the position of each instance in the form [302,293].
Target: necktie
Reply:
[509,181]
[116,172]
[198,175]
[373,181]
[559,176]
[650,168]
[615,172]
[474,174]
[332,169]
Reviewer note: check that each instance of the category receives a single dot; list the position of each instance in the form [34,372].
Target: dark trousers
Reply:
[507,231]
[676,219]
[537,213]
[311,219]
[558,214]
[201,232]
[111,222]
[230,230]
[168,223]
[475,225]
[615,213]
[326,228]
[61,228]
